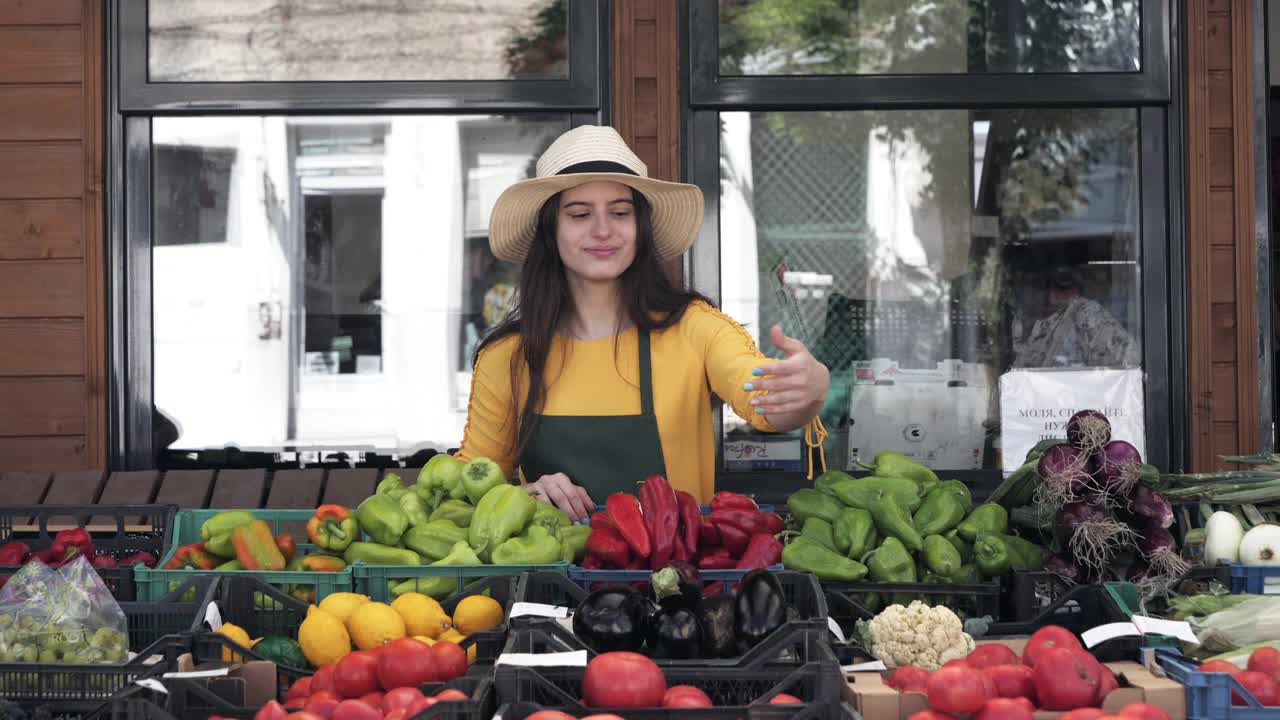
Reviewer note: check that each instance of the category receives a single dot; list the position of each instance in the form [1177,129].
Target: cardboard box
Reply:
[869,694]
[250,684]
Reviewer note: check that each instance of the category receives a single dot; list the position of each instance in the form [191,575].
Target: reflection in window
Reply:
[953,243]
[337,40]
[350,281]
[855,37]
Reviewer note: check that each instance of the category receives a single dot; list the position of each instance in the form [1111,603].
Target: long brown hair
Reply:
[649,298]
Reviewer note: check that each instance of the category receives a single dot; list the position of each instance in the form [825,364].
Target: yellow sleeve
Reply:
[490,428]
[729,354]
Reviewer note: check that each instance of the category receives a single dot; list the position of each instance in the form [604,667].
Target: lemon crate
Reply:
[375,580]
[155,584]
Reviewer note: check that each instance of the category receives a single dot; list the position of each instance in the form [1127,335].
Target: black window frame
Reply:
[1155,92]
[132,100]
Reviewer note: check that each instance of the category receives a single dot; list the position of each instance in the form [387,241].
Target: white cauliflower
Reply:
[918,635]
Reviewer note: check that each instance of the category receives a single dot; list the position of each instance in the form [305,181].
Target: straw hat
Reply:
[587,154]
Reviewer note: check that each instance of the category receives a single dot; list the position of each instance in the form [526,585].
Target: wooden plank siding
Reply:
[52,298]
[1223,326]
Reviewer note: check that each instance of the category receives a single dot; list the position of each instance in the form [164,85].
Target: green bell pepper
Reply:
[961,491]
[375,554]
[807,503]
[382,519]
[892,520]
[435,539]
[829,478]
[550,516]
[820,531]
[967,575]
[941,556]
[503,511]
[1023,554]
[576,537]
[986,518]
[459,512]
[220,545]
[391,486]
[440,586]
[991,554]
[223,523]
[891,562]
[863,492]
[805,555]
[479,477]
[855,532]
[230,565]
[893,464]
[536,546]
[414,509]
[439,480]
[942,510]
[962,546]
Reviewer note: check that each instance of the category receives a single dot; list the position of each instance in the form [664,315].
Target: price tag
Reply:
[1158,626]
[875,666]
[538,610]
[1103,633]
[576,658]
[835,630]
[213,616]
[198,674]
[152,684]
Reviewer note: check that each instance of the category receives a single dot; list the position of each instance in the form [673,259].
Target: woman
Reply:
[602,374]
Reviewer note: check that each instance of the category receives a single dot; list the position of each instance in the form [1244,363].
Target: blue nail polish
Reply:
[755,401]
[759,411]
[748,387]
[757,371]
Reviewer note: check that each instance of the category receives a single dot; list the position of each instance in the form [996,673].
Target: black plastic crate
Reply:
[489,644]
[482,705]
[150,622]
[116,530]
[864,600]
[732,691]
[843,711]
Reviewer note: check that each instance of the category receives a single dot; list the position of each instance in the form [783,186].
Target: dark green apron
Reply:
[603,453]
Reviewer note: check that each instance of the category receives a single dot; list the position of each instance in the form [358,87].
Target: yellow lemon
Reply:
[323,638]
[422,615]
[477,613]
[424,640]
[236,634]
[452,635]
[375,624]
[341,605]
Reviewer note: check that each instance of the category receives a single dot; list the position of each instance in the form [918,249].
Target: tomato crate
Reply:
[153,584]
[117,531]
[376,581]
[1209,695]
[735,692]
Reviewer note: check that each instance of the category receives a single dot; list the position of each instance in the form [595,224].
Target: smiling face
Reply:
[596,231]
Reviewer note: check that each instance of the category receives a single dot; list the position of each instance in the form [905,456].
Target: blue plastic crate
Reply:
[1209,694]
[1255,579]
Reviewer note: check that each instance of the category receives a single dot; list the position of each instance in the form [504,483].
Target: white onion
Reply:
[1261,546]
[1222,535]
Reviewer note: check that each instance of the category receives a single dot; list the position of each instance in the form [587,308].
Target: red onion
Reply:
[1118,468]
[1161,551]
[1091,533]
[1063,567]
[1150,507]
[1088,430]
[1064,475]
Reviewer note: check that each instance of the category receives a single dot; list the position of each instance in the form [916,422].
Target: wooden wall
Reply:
[1222,337]
[646,73]
[52,302]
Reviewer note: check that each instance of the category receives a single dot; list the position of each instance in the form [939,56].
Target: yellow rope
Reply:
[814,437]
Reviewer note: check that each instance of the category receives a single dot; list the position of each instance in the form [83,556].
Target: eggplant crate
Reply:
[593,579]
[1209,694]
[734,692]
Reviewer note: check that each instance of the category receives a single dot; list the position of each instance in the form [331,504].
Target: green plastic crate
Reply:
[155,584]
[374,580]
[1126,597]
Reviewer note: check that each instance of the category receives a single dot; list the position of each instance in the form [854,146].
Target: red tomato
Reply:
[300,688]
[909,678]
[451,695]
[450,660]
[322,703]
[1106,684]
[420,705]
[1025,702]
[930,715]
[1012,681]
[400,698]
[1143,711]
[1265,660]
[397,714]
[373,700]
[271,711]
[304,715]
[685,696]
[991,654]
[958,662]
[323,680]
[623,680]
[1262,686]
[1087,713]
[355,710]
[1220,666]
[785,699]
[1046,638]
[1003,709]
[956,689]
[1066,680]
[405,663]
[295,705]
[545,715]
[356,674]
[603,716]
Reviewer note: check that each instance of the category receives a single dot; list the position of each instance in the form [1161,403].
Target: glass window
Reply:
[889,37]
[922,254]
[336,40]
[326,279]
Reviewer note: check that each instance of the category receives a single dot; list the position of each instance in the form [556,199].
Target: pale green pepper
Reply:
[537,546]
[503,511]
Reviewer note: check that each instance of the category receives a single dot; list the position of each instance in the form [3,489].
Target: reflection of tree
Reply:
[544,50]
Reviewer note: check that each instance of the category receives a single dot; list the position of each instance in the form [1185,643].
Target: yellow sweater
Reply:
[587,377]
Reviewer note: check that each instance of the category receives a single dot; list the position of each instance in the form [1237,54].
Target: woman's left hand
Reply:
[797,384]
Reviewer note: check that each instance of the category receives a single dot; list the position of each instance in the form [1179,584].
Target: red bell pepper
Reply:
[256,547]
[287,546]
[708,535]
[734,539]
[681,552]
[105,562]
[637,563]
[601,519]
[716,562]
[333,528]
[774,521]
[690,520]
[750,522]
[608,547]
[762,551]
[70,544]
[624,511]
[592,562]
[192,557]
[725,500]
[713,589]
[319,563]
[49,557]
[14,553]
[661,513]
[139,558]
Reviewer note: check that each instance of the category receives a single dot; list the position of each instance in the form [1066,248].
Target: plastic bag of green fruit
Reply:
[65,615]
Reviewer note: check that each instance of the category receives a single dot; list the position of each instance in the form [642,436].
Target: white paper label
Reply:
[875,666]
[151,684]
[538,610]
[213,616]
[576,658]
[1172,628]
[835,630]
[1102,633]
[199,674]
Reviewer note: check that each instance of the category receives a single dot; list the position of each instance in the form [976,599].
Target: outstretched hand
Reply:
[797,384]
